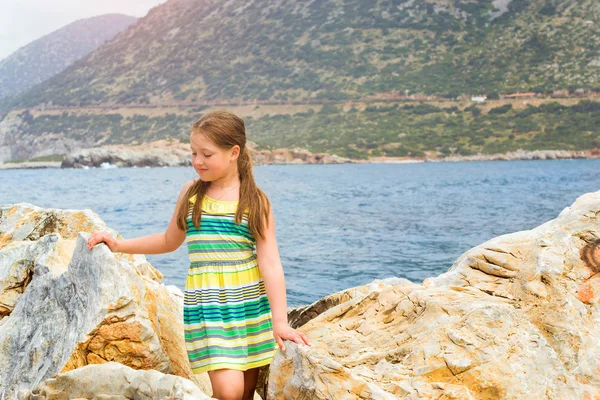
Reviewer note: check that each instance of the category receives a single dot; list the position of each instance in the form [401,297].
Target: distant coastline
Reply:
[117,157]
[519,155]
[30,165]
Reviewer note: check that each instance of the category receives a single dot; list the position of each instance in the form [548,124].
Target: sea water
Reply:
[337,226]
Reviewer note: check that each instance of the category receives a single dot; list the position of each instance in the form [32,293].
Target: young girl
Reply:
[235,311]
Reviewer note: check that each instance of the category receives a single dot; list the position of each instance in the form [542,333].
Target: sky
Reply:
[23,21]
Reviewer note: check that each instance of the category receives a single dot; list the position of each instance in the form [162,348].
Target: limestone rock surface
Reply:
[517,317]
[116,382]
[63,307]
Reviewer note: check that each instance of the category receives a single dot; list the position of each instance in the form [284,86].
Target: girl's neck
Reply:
[225,182]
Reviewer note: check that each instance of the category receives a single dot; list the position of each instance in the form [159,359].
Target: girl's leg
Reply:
[227,384]
[250,380]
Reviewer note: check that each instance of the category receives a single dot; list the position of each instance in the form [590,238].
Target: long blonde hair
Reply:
[226,130]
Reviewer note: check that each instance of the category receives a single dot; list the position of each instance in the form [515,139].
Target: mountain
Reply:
[351,77]
[290,50]
[51,54]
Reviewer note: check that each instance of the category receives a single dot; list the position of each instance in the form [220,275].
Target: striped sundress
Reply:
[226,313]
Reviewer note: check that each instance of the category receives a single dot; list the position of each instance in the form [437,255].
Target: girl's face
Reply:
[210,161]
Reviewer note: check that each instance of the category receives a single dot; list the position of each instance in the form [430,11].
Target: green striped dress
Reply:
[226,313]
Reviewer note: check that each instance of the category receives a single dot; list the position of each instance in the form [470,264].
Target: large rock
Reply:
[299,316]
[63,306]
[116,382]
[516,317]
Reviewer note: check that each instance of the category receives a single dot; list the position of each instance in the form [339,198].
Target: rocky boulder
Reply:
[63,307]
[515,317]
[116,382]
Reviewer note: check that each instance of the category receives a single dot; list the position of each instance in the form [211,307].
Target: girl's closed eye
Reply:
[207,155]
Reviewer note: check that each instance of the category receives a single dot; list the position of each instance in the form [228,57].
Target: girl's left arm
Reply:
[271,270]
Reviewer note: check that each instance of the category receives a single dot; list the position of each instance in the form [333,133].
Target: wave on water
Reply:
[107,165]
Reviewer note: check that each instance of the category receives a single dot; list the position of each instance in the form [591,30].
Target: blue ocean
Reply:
[337,226]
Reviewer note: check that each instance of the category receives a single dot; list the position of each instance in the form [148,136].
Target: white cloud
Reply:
[23,21]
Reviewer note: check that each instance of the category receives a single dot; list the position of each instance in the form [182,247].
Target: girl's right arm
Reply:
[157,243]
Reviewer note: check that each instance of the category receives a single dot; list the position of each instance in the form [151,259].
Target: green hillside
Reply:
[192,51]
[393,129]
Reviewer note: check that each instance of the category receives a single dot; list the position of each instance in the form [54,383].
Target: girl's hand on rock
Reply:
[102,237]
[285,332]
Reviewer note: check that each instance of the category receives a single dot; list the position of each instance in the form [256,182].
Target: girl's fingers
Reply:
[280,343]
[304,338]
[95,239]
[299,339]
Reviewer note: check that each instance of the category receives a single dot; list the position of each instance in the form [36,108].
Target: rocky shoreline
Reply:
[31,165]
[173,153]
[515,317]
[519,155]
[167,153]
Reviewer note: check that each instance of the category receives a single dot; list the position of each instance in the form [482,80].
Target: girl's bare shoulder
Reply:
[188,184]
